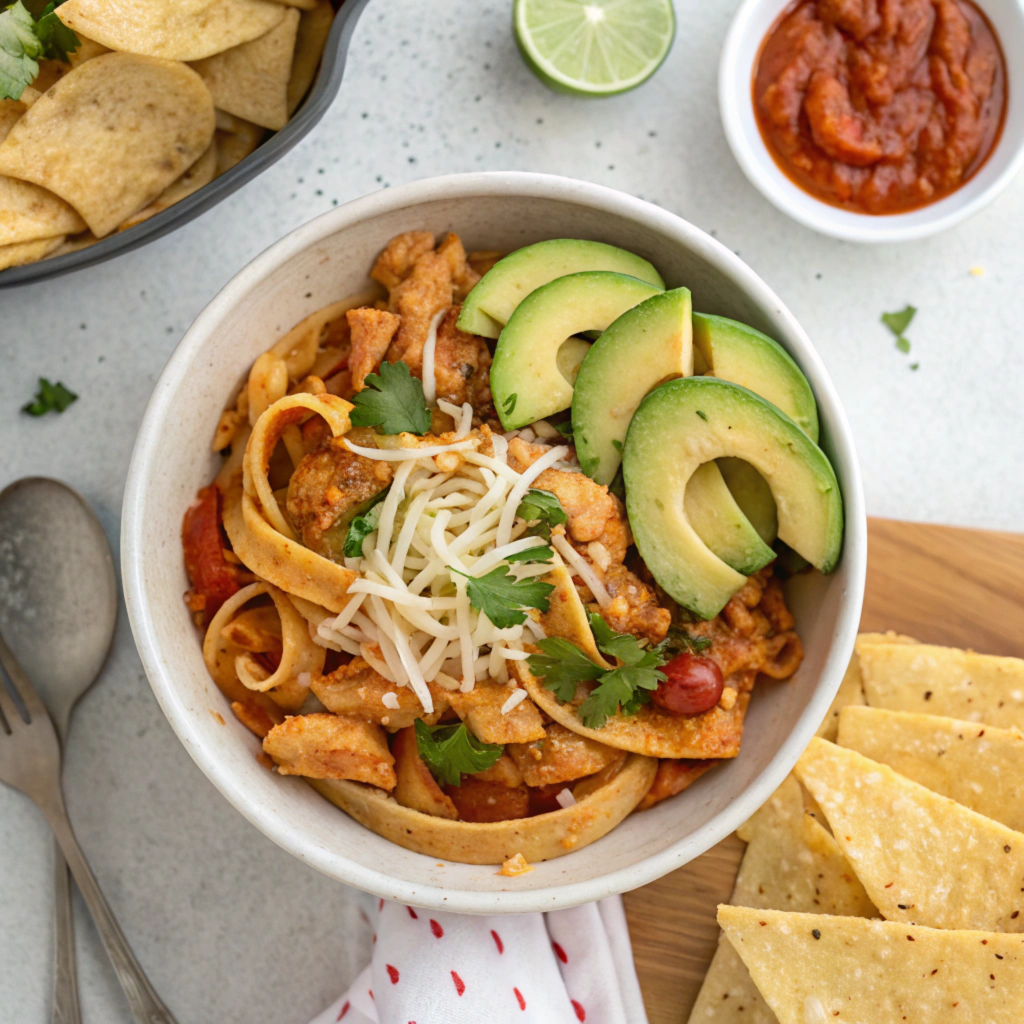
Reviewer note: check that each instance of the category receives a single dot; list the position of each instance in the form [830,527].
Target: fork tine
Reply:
[24,689]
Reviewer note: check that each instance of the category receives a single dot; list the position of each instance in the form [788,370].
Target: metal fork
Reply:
[30,760]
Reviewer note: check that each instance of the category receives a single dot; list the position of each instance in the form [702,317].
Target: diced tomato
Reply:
[213,578]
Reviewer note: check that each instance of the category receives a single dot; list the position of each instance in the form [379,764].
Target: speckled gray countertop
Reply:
[229,927]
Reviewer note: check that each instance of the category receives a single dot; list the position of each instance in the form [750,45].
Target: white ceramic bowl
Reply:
[735,99]
[328,259]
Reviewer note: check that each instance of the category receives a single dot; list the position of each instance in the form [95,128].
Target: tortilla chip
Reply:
[110,136]
[172,29]
[251,80]
[851,690]
[922,857]
[314,26]
[813,969]
[199,174]
[10,113]
[791,863]
[979,766]
[566,616]
[87,50]
[20,253]
[73,243]
[236,143]
[945,681]
[306,5]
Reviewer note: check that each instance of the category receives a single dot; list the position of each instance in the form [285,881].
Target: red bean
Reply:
[692,685]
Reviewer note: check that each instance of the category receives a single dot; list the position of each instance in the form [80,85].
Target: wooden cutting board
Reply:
[942,585]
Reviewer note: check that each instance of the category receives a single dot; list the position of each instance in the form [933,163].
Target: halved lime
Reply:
[594,47]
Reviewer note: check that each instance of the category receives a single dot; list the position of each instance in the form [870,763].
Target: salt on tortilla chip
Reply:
[314,26]
[816,969]
[172,29]
[28,252]
[251,80]
[28,212]
[945,681]
[199,174]
[977,765]
[791,863]
[922,857]
[851,690]
[110,136]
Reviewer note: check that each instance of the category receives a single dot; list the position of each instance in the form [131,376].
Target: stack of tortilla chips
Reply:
[884,880]
[157,98]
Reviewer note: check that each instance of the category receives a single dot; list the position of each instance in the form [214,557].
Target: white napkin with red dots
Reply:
[429,967]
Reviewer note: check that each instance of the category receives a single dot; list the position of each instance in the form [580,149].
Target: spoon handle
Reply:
[143,1001]
[66,1009]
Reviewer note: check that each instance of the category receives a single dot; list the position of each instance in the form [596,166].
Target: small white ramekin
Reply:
[751,24]
[326,260]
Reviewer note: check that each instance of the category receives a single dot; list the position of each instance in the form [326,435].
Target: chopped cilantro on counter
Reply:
[392,401]
[451,751]
[501,597]
[544,510]
[49,398]
[898,324]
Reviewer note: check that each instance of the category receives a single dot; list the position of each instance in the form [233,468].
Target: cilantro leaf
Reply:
[562,665]
[538,553]
[49,398]
[393,401]
[362,526]
[57,39]
[899,322]
[621,686]
[510,404]
[903,344]
[500,596]
[451,751]
[544,510]
[679,640]
[565,429]
[624,646]
[20,49]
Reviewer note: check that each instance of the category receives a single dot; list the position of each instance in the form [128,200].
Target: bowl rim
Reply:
[817,214]
[497,184]
[320,96]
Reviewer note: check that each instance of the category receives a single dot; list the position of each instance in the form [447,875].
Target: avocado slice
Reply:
[526,382]
[752,494]
[491,303]
[686,423]
[648,344]
[735,352]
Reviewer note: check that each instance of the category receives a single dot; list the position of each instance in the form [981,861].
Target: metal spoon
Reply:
[56,580]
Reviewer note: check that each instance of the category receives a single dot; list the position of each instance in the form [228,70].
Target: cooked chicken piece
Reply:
[258,716]
[416,787]
[358,689]
[488,801]
[773,605]
[673,777]
[634,606]
[329,488]
[503,772]
[396,261]
[372,331]
[323,746]
[417,300]
[464,277]
[462,365]
[480,709]
[560,757]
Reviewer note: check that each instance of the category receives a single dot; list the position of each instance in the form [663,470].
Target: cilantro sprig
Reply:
[898,324]
[543,510]
[538,553]
[363,525]
[501,597]
[26,37]
[679,640]
[392,401]
[451,751]
[49,398]
[562,665]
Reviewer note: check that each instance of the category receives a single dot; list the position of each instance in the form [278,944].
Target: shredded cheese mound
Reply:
[410,616]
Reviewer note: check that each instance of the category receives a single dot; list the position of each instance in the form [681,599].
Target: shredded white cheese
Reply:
[581,568]
[565,798]
[429,376]
[518,696]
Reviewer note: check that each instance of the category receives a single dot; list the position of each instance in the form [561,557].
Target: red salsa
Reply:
[880,106]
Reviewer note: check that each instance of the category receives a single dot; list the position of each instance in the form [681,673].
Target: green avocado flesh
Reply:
[685,423]
[735,352]
[752,494]
[648,344]
[526,381]
[490,305]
